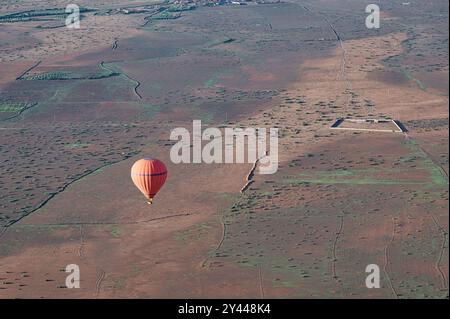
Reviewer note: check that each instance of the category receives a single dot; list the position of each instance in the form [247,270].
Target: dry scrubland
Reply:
[77,108]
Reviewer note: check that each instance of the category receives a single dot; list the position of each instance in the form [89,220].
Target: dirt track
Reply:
[340,201]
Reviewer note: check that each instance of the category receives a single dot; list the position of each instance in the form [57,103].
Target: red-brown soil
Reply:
[340,200]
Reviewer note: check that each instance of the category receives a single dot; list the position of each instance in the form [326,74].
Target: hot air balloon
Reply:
[149,175]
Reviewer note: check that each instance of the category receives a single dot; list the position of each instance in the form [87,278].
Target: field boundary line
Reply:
[386,258]
[338,233]
[441,252]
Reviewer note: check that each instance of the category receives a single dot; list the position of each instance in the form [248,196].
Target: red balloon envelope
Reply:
[149,175]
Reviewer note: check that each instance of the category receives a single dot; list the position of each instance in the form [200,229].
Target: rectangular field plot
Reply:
[371,125]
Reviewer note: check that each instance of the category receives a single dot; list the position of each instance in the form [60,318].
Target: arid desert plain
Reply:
[79,106]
